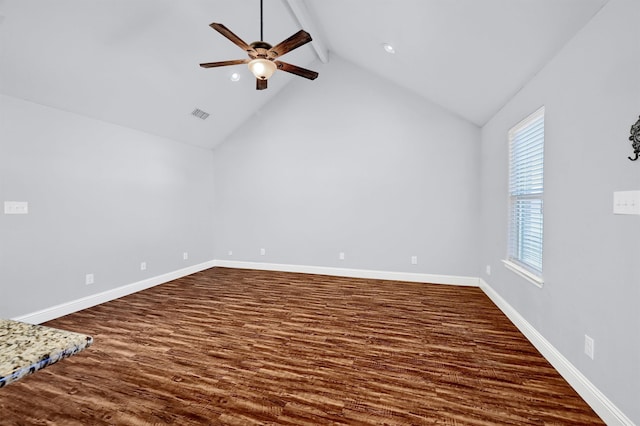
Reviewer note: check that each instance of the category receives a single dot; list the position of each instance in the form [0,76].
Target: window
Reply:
[526,189]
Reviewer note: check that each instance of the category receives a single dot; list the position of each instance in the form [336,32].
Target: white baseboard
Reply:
[606,409]
[105,296]
[352,273]
[57,311]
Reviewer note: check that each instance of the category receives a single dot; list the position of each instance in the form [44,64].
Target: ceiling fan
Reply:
[262,59]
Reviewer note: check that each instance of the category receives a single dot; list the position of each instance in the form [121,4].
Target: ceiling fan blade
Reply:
[294,69]
[231,36]
[224,63]
[261,84]
[298,39]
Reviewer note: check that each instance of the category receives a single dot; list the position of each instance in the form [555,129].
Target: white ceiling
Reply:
[135,62]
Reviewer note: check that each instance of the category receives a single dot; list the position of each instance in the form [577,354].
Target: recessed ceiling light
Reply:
[388,48]
[235,77]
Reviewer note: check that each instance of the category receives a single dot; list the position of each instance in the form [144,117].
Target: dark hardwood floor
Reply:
[242,347]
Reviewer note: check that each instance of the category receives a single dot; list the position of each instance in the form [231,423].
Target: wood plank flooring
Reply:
[239,347]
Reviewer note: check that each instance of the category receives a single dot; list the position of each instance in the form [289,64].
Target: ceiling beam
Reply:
[301,14]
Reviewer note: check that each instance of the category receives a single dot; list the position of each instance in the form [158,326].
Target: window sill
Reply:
[532,278]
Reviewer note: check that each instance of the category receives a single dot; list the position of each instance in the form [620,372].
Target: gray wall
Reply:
[102,199]
[591,92]
[350,163]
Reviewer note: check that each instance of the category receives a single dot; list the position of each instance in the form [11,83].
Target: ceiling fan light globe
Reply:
[262,68]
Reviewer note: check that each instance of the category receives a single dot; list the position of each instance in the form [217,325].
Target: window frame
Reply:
[527,198]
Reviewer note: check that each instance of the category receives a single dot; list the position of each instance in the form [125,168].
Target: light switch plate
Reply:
[16,207]
[626,202]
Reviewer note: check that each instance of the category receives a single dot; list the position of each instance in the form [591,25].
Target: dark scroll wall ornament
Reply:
[635,139]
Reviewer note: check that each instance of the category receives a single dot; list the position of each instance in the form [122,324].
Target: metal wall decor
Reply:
[635,139]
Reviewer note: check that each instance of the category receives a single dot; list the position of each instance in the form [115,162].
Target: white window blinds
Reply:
[526,186]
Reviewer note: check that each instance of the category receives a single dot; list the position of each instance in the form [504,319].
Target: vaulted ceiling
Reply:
[135,62]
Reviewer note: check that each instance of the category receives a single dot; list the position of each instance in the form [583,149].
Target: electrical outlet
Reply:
[185,256]
[488,269]
[341,255]
[88,279]
[589,346]
[263,252]
[414,260]
[230,253]
[143,266]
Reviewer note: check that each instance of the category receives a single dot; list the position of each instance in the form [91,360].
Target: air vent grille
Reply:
[200,114]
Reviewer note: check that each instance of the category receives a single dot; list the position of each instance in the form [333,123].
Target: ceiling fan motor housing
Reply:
[262,47]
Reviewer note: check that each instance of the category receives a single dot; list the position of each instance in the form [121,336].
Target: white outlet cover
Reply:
[16,207]
[89,279]
[341,255]
[185,255]
[589,346]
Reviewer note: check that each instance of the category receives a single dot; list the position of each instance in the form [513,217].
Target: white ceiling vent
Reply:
[200,114]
